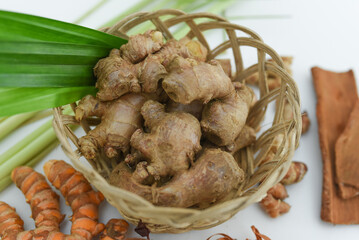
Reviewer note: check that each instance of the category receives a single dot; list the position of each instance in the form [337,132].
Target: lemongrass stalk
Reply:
[27,153]
[6,181]
[25,141]
[2,119]
[11,123]
[91,11]
[135,8]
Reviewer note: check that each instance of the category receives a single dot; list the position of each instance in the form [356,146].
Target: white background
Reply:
[317,33]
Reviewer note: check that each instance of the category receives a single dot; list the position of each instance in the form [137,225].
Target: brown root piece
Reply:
[223,119]
[259,236]
[273,203]
[245,138]
[141,45]
[296,172]
[195,108]
[190,80]
[274,81]
[211,178]
[171,145]
[346,151]
[336,94]
[115,229]
[119,120]
[117,76]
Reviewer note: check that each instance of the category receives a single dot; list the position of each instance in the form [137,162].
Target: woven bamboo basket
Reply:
[259,177]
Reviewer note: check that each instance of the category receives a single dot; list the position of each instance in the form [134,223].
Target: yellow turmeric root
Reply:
[171,145]
[119,120]
[79,195]
[44,203]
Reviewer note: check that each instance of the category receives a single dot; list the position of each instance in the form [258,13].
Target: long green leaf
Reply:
[27,28]
[18,100]
[50,53]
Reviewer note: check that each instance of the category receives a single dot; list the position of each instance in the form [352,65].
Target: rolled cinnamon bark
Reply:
[336,94]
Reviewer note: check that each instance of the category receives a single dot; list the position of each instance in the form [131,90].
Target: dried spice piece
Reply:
[142,230]
[223,237]
[295,174]
[259,236]
[346,152]
[305,122]
[273,203]
[336,94]
[115,229]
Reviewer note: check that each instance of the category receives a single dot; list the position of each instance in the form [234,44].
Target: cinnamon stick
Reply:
[347,152]
[336,94]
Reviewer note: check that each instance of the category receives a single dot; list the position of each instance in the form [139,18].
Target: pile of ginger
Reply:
[171,120]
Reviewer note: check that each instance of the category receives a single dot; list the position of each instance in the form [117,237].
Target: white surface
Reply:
[323,33]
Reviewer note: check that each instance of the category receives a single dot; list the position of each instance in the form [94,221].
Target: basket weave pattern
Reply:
[259,177]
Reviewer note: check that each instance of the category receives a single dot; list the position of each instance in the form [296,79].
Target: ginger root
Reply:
[195,108]
[119,120]
[44,203]
[226,66]
[211,178]
[141,45]
[246,137]
[117,74]
[188,80]
[171,145]
[223,119]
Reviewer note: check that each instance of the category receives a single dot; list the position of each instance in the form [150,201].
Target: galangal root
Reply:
[273,203]
[141,63]
[214,175]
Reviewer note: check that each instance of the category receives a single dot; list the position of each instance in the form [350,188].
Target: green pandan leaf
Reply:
[27,28]
[19,100]
[46,63]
